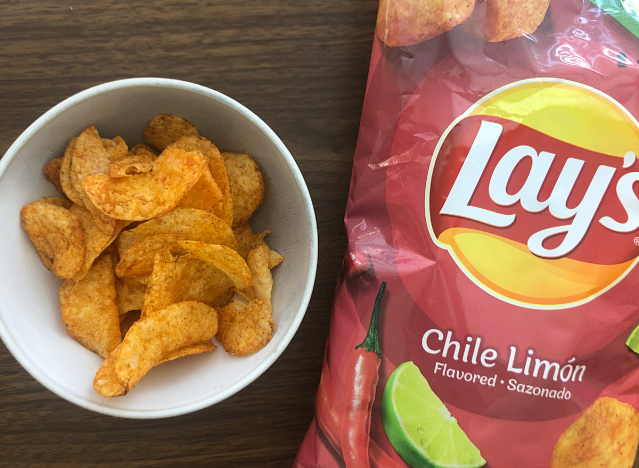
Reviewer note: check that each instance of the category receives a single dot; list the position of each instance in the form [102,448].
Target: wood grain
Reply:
[301,66]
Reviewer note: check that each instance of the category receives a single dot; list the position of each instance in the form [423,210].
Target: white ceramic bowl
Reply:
[30,323]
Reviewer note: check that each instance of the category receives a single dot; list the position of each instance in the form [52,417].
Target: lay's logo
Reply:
[532,191]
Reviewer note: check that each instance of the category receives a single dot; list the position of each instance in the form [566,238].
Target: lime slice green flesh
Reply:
[420,427]
[633,340]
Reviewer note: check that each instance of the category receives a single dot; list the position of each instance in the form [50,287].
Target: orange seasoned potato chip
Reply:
[407,22]
[106,380]
[144,196]
[165,284]
[65,173]
[227,260]
[499,20]
[247,241]
[247,185]
[274,259]
[245,329]
[141,149]
[605,435]
[57,201]
[222,299]
[116,148]
[139,259]
[52,173]
[89,312]
[135,280]
[194,224]
[154,337]
[129,165]
[205,195]
[89,159]
[64,290]
[56,234]
[129,295]
[177,279]
[258,263]
[165,129]
[95,240]
[197,348]
[218,171]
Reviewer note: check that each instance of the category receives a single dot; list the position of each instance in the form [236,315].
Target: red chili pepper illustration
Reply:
[359,394]
[330,424]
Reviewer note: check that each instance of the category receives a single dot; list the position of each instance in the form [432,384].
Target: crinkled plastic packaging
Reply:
[486,311]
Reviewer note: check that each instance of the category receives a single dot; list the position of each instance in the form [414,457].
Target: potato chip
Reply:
[216,164]
[116,148]
[95,240]
[90,159]
[128,319]
[154,337]
[106,380]
[57,201]
[65,173]
[165,283]
[52,173]
[247,185]
[129,296]
[139,259]
[56,234]
[205,195]
[496,20]
[245,329]
[258,263]
[129,165]
[144,196]
[177,279]
[197,348]
[407,22]
[64,291]
[141,149]
[206,283]
[194,224]
[89,311]
[135,280]
[165,129]
[246,240]
[274,259]
[605,435]
[222,299]
[224,258]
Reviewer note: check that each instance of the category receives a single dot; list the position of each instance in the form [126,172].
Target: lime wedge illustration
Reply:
[633,340]
[420,427]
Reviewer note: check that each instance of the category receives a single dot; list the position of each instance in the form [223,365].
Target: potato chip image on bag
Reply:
[606,435]
[407,22]
[501,20]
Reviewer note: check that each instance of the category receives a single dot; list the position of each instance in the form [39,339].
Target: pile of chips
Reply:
[154,243]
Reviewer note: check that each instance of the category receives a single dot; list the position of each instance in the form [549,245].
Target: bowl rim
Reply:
[150,82]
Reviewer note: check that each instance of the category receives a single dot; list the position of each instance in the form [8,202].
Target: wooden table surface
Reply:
[302,67]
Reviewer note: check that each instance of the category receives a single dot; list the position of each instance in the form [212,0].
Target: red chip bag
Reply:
[495,201]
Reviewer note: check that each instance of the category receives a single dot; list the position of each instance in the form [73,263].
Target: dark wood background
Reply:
[302,67]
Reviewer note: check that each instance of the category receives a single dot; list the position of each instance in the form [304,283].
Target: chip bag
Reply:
[486,310]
